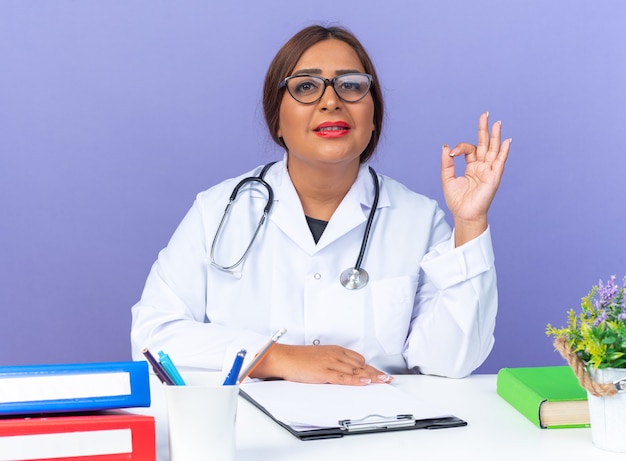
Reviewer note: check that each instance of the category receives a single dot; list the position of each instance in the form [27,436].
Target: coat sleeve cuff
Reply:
[446,265]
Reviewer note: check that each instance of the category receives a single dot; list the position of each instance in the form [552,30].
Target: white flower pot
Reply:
[608,414]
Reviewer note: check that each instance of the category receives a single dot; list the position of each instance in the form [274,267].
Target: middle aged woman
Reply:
[431,300]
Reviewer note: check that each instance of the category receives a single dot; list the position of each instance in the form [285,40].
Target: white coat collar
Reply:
[288,215]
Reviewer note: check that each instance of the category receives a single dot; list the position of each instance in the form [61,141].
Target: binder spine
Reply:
[38,389]
[113,435]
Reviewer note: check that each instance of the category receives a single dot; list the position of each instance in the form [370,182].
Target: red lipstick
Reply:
[332,129]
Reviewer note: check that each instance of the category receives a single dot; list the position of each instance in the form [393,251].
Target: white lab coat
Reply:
[428,307]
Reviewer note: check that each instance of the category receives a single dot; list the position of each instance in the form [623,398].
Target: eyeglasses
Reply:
[308,89]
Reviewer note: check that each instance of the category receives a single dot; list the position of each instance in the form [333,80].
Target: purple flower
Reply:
[607,292]
[601,318]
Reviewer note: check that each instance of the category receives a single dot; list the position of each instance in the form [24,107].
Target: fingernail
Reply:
[365,380]
[510,140]
[384,378]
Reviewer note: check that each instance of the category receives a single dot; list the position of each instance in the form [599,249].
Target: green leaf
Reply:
[621,363]
[614,355]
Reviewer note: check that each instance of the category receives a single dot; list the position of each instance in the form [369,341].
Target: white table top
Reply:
[495,430]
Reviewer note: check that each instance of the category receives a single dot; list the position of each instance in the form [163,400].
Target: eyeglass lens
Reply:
[309,88]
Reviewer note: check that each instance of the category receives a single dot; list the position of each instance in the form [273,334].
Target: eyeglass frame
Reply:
[327,82]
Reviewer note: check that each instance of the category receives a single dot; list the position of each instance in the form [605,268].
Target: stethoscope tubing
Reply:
[352,278]
[370,220]
[231,200]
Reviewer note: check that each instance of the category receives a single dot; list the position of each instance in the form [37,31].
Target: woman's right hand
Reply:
[318,364]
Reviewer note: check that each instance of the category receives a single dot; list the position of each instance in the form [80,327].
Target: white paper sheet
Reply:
[314,406]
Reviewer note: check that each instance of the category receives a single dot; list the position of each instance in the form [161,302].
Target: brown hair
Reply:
[285,61]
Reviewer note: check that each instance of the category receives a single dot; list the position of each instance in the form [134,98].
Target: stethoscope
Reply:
[352,278]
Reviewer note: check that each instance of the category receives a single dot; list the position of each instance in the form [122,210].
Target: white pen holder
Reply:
[201,418]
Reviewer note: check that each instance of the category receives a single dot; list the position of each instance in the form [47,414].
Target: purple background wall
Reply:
[114,114]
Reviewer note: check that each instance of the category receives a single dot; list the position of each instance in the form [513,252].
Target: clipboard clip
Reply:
[376,422]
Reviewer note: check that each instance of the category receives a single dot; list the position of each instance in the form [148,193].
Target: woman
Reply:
[430,303]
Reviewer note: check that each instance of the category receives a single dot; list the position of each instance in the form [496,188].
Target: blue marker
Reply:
[171,370]
[231,379]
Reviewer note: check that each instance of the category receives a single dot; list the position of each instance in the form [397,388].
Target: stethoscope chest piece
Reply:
[353,278]
[356,277]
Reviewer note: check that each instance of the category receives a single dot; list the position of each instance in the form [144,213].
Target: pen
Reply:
[158,369]
[231,379]
[170,369]
[261,354]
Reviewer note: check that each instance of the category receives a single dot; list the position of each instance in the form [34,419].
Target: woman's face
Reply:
[330,130]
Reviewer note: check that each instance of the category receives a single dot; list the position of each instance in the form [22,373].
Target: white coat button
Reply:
[316,342]
[317,276]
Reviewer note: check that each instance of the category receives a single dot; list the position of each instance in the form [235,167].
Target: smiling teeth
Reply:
[332,128]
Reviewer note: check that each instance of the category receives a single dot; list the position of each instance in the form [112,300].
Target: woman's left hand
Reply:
[469,196]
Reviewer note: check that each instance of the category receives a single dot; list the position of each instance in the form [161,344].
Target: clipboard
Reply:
[277,395]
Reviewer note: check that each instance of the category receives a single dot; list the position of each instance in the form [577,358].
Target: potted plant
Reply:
[594,345]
